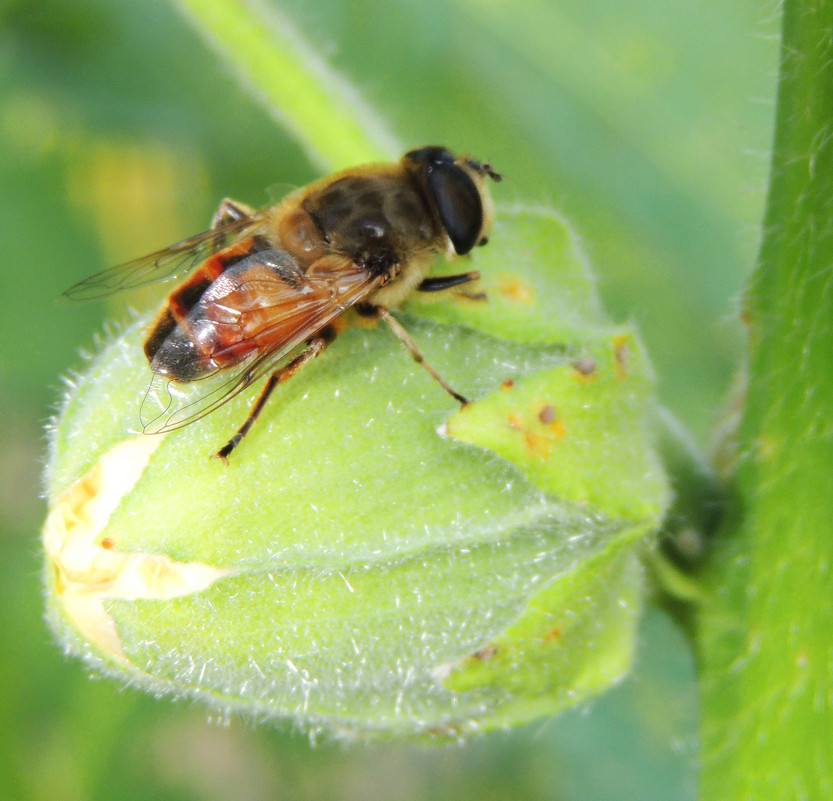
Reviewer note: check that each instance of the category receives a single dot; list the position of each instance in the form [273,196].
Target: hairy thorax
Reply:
[380,222]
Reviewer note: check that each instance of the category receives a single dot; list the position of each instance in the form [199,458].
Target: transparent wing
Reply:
[255,316]
[173,262]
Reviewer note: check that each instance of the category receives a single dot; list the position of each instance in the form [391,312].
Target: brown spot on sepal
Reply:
[515,421]
[547,414]
[515,290]
[550,417]
[537,444]
[557,428]
[621,357]
[552,635]
[585,370]
[486,653]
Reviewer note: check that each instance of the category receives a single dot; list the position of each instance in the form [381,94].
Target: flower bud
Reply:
[376,560]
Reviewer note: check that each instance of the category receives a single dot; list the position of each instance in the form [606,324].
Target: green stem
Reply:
[766,634]
[315,104]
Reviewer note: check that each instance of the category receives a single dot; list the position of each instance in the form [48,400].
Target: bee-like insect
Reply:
[266,291]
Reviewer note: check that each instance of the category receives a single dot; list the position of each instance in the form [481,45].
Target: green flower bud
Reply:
[376,560]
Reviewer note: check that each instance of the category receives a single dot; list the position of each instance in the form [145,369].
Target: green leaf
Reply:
[370,543]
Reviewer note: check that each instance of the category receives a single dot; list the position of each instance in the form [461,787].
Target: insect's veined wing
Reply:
[256,315]
[173,262]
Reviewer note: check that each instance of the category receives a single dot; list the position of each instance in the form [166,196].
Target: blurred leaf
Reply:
[278,64]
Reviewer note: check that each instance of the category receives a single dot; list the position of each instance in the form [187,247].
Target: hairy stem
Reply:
[766,634]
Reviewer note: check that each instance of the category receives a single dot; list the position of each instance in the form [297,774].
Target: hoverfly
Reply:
[266,291]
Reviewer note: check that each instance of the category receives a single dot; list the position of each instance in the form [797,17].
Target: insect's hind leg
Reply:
[230,211]
[313,348]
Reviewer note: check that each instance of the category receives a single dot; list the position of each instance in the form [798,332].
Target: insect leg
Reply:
[230,210]
[439,283]
[405,338]
[314,347]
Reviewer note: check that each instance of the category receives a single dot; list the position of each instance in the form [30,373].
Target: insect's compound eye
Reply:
[459,205]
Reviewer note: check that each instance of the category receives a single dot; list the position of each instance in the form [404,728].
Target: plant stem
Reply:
[766,632]
[318,107]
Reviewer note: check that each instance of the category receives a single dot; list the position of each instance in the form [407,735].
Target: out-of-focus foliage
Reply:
[648,124]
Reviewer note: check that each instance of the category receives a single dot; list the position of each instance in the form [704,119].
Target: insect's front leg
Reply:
[230,211]
[411,346]
[439,283]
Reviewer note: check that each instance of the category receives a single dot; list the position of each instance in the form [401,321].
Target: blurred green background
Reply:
[648,124]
